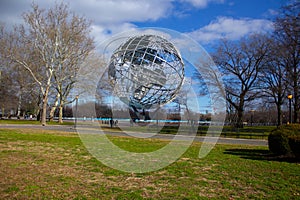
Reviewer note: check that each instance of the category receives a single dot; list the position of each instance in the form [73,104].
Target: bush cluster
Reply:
[285,140]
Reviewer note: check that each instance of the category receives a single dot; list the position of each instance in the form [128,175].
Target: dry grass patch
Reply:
[55,165]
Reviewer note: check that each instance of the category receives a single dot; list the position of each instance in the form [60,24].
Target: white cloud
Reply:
[105,11]
[100,11]
[229,28]
[108,39]
[103,32]
[201,3]
[108,16]
[117,11]
[114,16]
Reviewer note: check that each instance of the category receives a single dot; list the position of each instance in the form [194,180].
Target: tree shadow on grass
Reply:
[260,154]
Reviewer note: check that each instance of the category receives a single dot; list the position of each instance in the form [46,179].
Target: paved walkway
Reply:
[93,129]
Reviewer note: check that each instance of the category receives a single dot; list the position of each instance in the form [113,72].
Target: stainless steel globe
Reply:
[145,71]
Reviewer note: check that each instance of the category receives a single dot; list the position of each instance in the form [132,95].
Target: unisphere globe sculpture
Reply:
[145,71]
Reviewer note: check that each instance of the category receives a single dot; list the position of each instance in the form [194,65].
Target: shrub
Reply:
[279,139]
[278,143]
[294,143]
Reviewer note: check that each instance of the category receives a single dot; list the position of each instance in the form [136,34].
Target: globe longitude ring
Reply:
[150,71]
[146,71]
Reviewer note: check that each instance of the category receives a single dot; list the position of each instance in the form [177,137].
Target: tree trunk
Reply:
[44,108]
[53,108]
[240,114]
[3,111]
[60,118]
[296,107]
[239,121]
[52,112]
[278,104]
[19,106]
[44,111]
[279,114]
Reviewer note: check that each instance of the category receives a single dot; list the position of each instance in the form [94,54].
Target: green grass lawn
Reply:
[39,164]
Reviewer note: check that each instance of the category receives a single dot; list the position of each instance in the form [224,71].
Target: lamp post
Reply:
[290,97]
[76,105]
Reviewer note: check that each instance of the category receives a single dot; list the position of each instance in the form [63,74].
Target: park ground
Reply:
[51,164]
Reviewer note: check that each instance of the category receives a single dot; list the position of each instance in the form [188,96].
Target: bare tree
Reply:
[287,34]
[13,78]
[73,46]
[273,79]
[241,62]
[5,79]
[50,46]
[8,95]
[34,51]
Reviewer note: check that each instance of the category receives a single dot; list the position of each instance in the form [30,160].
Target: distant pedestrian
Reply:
[131,122]
[111,122]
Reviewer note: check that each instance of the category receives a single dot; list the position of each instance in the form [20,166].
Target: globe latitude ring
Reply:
[163,65]
[146,71]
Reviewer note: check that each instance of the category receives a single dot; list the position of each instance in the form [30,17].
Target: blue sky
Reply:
[187,18]
[206,21]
